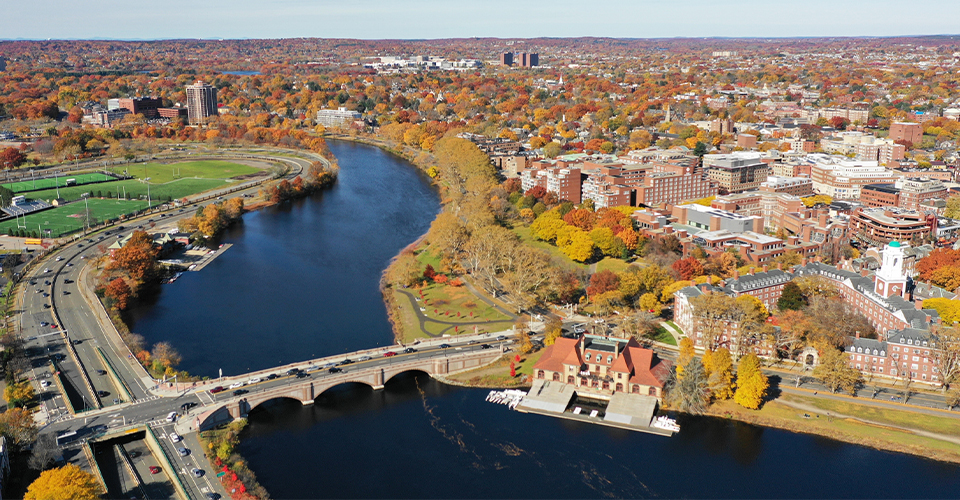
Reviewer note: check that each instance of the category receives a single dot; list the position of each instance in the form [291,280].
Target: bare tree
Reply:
[44,452]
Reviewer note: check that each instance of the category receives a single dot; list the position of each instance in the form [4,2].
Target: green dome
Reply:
[895,244]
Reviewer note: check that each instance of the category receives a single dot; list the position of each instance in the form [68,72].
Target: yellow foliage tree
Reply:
[649,302]
[720,373]
[686,354]
[810,201]
[18,394]
[64,482]
[751,382]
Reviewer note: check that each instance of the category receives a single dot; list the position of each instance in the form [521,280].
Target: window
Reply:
[588,356]
[609,359]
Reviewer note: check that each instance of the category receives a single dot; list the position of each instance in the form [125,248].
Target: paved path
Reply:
[816,411]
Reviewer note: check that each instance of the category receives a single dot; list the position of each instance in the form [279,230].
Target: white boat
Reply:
[509,397]
[665,422]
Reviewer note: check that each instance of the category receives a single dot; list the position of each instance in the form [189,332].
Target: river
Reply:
[301,281]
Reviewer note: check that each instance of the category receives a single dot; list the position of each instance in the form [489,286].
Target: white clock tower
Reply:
[891,280]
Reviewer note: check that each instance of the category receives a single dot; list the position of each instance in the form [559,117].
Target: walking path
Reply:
[423,318]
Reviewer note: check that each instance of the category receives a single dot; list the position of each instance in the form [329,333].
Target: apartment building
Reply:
[670,183]
[336,117]
[201,102]
[797,186]
[917,190]
[843,178]
[905,131]
[736,172]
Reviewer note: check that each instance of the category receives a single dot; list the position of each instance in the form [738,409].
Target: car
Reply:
[217,389]
[80,245]
[44,383]
[347,361]
[213,496]
[363,358]
[101,372]
[236,384]
[66,292]
[172,416]
[389,354]
[119,228]
[46,306]
[312,368]
[154,469]
[485,346]
[292,371]
[409,350]
[254,380]
[67,282]
[444,346]
[501,337]
[183,451]
[302,375]
[335,370]
[174,437]
[271,376]
[44,323]
[134,454]
[33,282]
[328,365]
[45,294]
[53,327]
[76,341]
[83,257]
[69,264]
[472,342]
[47,270]
[59,258]
[186,406]
[240,392]
[46,282]
[197,472]
[103,394]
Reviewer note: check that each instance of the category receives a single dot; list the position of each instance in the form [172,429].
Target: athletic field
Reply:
[134,189]
[40,184]
[62,220]
[204,169]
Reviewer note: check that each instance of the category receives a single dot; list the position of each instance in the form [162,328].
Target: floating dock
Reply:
[632,412]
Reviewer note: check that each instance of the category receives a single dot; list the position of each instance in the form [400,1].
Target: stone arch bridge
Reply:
[307,389]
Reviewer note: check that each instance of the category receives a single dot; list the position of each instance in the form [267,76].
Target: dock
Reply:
[633,412]
[208,258]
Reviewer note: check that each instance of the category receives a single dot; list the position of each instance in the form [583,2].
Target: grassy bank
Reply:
[497,374]
[876,428]
[218,446]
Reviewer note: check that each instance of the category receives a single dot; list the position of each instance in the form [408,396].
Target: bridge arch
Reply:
[258,403]
[342,383]
[406,371]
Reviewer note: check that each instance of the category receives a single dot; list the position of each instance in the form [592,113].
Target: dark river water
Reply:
[301,281]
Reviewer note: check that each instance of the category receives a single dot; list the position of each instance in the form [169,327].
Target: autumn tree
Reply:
[18,425]
[602,282]
[690,392]
[18,394]
[688,268]
[552,329]
[687,354]
[119,291]
[835,372]
[946,356]
[751,382]
[720,370]
[64,482]
[949,309]
[137,257]
[714,314]
[405,270]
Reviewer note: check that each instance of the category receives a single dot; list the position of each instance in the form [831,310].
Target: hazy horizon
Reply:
[436,19]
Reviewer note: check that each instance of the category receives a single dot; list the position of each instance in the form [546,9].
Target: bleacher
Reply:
[26,207]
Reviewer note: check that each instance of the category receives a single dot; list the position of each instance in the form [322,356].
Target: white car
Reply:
[254,380]
[236,385]
[172,417]
[174,437]
[44,383]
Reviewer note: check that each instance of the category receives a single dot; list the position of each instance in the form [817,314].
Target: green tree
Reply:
[751,382]
[792,298]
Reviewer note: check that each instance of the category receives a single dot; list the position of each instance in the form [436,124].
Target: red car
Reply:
[216,389]
[154,469]
[389,354]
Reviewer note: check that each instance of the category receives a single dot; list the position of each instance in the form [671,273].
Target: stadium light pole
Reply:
[56,180]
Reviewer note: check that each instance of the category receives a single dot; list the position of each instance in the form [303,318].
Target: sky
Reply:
[419,19]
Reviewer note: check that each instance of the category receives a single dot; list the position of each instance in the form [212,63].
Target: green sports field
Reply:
[204,169]
[134,189]
[41,184]
[63,220]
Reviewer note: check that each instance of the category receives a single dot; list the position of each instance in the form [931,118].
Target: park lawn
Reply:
[204,169]
[59,221]
[662,335]
[779,415]
[457,304]
[41,184]
[612,263]
[524,233]
[133,189]
[438,329]
[426,256]
[497,374]
[930,423]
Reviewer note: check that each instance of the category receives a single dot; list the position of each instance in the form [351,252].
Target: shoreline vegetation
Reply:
[882,431]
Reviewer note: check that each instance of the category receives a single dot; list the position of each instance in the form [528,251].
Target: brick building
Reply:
[735,173]
[905,131]
[146,106]
[797,186]
[878,226]
[843,179]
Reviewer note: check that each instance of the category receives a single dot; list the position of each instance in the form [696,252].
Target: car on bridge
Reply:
[409,350]
[292,371]
[329,365]
[335,370]
[236,384]
[364,358]
[389,354]
[240,392]
[485,346]
[255,380]
[444,346]
[217,389]
[347,361]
